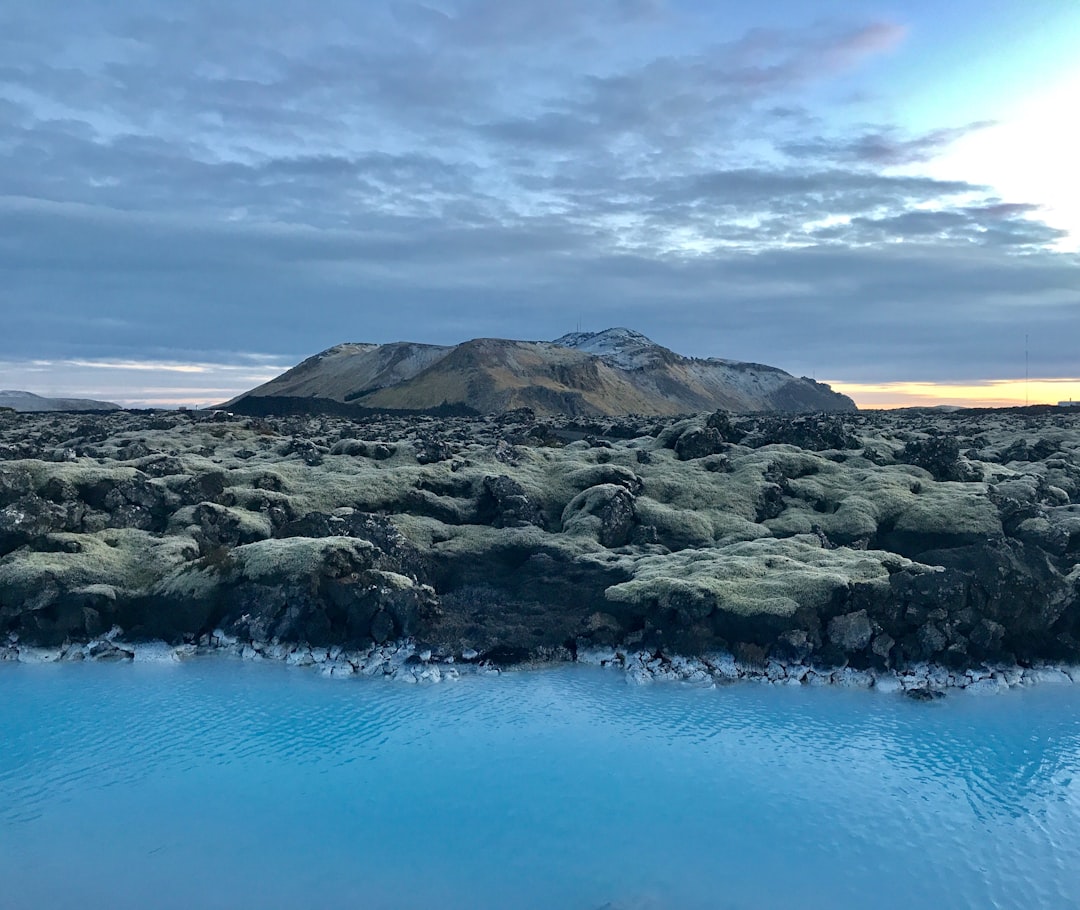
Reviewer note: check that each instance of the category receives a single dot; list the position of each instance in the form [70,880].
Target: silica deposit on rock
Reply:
[900,545]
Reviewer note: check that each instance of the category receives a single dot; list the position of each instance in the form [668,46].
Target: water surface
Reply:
[218,783]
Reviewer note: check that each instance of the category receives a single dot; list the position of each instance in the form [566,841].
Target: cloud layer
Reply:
[190,180]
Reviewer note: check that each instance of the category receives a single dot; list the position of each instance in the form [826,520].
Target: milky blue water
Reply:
[217,784]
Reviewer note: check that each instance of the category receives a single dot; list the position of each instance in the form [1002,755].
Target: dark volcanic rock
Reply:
[698,442]
[613,507]
[505,504]
[851,632]
[29,520]
[940,455]
[628,533]
[815,433]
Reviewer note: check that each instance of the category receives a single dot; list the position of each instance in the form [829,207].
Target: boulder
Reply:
[505,504]
[699,442]
[606,510]
[851,631]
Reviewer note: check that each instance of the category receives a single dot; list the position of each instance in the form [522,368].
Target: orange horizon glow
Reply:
[990,393]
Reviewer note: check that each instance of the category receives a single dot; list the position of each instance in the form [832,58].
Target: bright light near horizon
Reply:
[141,384]
[1030,156]
[994,393]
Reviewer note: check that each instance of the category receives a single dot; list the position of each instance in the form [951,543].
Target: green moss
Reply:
[952,510]
[765,576]
[126,559]
[293,557]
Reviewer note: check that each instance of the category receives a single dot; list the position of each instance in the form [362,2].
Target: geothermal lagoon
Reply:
[222,783]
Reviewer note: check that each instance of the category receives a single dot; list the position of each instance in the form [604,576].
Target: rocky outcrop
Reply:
[876,542]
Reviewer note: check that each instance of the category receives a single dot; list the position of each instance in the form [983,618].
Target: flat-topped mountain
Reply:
[593,374]
[29,402]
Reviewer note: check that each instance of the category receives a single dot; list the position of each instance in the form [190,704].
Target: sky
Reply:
[195,195]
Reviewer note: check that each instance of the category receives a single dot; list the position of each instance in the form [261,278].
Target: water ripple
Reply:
[556,788]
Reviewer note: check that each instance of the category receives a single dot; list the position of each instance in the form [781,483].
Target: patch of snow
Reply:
[624,348]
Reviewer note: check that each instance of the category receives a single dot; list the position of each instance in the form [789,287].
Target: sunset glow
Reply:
[994,393]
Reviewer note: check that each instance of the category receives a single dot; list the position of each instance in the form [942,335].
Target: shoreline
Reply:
[406,662]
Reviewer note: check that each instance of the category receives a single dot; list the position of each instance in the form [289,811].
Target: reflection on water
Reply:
[561,788]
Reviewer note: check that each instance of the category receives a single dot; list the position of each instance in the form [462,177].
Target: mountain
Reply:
[28,401]
[617,371]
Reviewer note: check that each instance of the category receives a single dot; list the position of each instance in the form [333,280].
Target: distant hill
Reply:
[617,371]
[28,401]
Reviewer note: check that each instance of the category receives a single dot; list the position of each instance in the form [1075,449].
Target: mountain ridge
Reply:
[29,402]
[589,374]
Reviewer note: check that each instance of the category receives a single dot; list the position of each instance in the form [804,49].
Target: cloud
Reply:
[923,309]
[884,147]
[992,225]
[196,178]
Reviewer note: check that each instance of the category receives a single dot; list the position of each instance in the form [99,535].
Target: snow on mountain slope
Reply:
[730,384]
[622,347]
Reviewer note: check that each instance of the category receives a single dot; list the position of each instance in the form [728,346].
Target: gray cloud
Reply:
[247,176]
[882,147]
[856,312]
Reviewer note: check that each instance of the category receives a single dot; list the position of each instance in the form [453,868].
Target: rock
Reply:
[30,519]
[382,626]
[923,693]
[853,679]
[794,644]
[504,503]
[301,657]
[851,631]
[882,646]
[886,683]
[133,451]
[597,657]
[931,639]
[813,432]
[722,423]
[338,670]
[15,483]
[1047,675]
[699,442]
[144,652]
[220,528]
[989,686]
[940,455]
[307,451]
[430,450]
[208,486]
[104,650]
[31,655]
[608,510]
[789,547]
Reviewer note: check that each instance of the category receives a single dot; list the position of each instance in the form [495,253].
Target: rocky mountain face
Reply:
[617,371]
[871,541]
[28,402]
